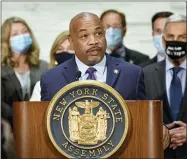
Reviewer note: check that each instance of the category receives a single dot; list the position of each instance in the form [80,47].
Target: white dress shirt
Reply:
[160,57]
[36,94]
[25,82]
[101,68]
[169,76]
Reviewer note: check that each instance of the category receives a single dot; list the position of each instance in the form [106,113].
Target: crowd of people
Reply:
[95,47]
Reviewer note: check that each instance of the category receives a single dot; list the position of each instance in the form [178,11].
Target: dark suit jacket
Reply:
[133,56]
[11,89]
[128,82]
[149,62]
[156,89]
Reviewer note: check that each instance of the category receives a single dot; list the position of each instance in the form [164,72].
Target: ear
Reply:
[124,31]
[164,41]
[70,41]
[152,33]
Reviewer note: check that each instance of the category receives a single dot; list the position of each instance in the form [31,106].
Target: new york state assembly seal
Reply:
[87,119]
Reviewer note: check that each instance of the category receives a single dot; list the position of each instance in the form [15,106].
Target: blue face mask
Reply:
[157,40]
[113,37]
[20,43]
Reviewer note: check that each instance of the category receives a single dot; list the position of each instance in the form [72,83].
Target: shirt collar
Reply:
[120,51]
[160,57]
[100,67]
[169,65]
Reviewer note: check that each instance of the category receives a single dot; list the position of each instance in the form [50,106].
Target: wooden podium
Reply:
[144,139]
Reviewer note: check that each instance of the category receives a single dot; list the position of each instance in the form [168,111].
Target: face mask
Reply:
[157,40]
[175,49]
[113,37]
[62,57]
[20,43]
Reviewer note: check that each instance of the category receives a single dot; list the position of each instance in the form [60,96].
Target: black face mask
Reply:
[62,57]
[175,49]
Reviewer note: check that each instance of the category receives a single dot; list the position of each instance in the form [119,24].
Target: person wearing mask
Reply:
[20,64]
[167,81]
[61,51]
[158,22]
[115,26]
[87,37]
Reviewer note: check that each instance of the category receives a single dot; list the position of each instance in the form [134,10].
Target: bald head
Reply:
[81,16]
[87,37]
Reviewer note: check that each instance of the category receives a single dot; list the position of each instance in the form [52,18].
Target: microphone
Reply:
[78,75]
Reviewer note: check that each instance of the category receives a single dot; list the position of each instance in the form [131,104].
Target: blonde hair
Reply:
[58,41]
[32,54]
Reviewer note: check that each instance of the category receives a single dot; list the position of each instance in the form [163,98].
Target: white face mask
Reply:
[157,40]
[21,43]
[113,37]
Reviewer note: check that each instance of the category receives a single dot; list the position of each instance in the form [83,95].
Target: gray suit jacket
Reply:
[155,87]
[11,89]
[149,62]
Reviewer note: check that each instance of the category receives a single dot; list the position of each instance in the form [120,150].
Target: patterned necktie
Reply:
[175,93]
[90,72]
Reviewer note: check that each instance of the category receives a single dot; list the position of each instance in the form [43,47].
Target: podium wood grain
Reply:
[144,139]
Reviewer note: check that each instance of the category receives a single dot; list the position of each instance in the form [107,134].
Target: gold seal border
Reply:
[112,126]
[93,83]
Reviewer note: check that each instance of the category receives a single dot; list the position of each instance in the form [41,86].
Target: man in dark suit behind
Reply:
[158,22]
[87,37]
[167,81]
[114,23]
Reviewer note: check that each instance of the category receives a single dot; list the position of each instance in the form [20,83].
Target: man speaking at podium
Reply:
[87,37]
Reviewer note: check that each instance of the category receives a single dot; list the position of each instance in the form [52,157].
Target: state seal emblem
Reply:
[87,119]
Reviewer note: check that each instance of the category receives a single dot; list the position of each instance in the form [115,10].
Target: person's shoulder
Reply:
[42,66]
[54,71]
[52,74]
[149,62]
[125,65]
[6,70]
[57,70]
[152,67]
[136,53]
[43,63]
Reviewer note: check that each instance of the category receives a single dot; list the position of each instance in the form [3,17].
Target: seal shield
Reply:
[87,119]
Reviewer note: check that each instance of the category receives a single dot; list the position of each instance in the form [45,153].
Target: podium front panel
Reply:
[144,139]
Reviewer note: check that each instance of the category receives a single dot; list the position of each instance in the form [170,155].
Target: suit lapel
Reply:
[69,70]
[15,81]
[184,102]
[32,77]
[159,78]
[33,74]
[113,71]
